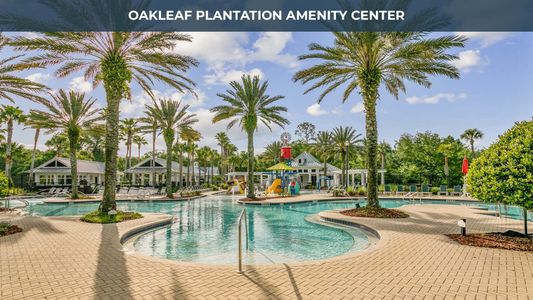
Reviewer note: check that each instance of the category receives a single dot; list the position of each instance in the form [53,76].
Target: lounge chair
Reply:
[412,191]
[457,190]
[387,190]
[443,190]
[399,190]
[424,190]
[51,191]
[62,192]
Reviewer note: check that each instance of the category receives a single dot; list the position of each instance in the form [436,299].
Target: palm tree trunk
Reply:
[181,169]
[250,183]
[472,147]
[8,149]
[116,77]
[154,135]
[73,138]
[35,140]
[168,179]
[371,79]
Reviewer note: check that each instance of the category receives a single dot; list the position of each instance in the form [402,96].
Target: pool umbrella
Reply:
[464,169]
[465,165]
[281,167]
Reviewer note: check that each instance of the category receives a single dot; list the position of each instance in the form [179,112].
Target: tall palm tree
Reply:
[345,138]
[30,123]
[13,86]
[128,128]
[192,148]
[446,149]
[204,154]
[366,61]
[470,136]
[10,115]
[180,149]
[248,105]
[140,141]
[222,140]
[71,113]
[171,117]
[114,59]
[150,125]
[190,137]
[323,145]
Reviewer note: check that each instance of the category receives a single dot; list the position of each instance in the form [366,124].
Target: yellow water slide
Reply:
[275,187]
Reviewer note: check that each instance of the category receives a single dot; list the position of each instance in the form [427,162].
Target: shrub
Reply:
[4,184]
[361,191]
[351,191]
[504,171]
[435,190]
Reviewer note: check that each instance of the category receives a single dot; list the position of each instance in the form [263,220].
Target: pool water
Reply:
[205,230]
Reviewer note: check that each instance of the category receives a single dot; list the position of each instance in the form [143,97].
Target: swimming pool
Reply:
[205,229]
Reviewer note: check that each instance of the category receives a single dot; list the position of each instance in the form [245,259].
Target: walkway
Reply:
[65,258]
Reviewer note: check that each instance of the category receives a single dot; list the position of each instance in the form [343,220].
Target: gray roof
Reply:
[160,167]
[62,165]
[305,161]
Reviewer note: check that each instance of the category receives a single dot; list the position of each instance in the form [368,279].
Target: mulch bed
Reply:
[373,212]
[510,240]
[7,229]
[3,209]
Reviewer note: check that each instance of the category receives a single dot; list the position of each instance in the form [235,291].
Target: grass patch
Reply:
[510,240]
[375,212]
[97,217]
[7,229]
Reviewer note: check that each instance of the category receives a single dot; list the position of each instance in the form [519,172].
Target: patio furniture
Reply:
[443,190]
[424,190]
[412,191]
[387,190]
[457,190]
[399,190]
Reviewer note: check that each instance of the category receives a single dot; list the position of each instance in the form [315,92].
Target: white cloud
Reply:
[468,60]
[136,107]
[315,110]
[223,77]
[80,85]
[358,108]
[229,52]
[39,77]
[487,39]
[449,97]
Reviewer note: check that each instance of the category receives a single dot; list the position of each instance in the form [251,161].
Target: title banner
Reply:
[266,15]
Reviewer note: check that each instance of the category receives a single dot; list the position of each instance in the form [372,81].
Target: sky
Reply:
[494,91]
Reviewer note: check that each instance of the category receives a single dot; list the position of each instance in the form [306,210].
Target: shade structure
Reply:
[281,167]
[465,166]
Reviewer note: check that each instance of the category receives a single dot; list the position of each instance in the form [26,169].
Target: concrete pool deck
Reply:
[61,257]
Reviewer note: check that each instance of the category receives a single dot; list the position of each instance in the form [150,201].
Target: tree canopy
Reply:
[504,171]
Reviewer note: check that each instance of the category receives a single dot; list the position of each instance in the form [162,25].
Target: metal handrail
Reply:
[239,237]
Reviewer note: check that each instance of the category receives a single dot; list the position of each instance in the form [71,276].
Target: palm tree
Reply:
[71,113]
[204,154]
[446,149]
[12,85]
[149,124]
[470,136]
[172,117]
[128,128]
[324,147]
[344,138]
[114,59]
[223,140]
[94,140]
[189,136]
[139,140]
[30,123]
[192,148]
[248,105]
[10,115]
[365,61]
[180,148]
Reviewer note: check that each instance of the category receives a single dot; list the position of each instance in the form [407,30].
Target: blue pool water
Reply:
[206,229]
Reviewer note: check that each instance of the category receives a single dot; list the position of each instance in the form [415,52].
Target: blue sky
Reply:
[494,91]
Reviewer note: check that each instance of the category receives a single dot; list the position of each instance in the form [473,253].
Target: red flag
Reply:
[465,165]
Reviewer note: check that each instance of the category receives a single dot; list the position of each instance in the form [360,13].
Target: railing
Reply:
[239,236]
